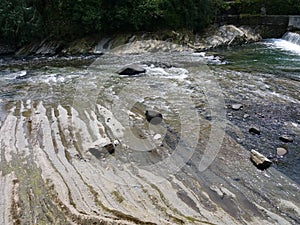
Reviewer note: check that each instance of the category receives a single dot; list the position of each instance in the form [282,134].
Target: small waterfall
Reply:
[292,37]
[103,45]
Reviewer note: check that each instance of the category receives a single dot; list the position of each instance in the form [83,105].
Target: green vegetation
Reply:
[274,7]
[25,20]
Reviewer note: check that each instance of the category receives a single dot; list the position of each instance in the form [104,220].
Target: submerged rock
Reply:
[236,106]
[281,151]
[110,148]
[259,160]
[131,69]
[153,117]
[254,130]
[286,138]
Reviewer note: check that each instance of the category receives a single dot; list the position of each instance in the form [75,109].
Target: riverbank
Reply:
[213,37]
[55,132]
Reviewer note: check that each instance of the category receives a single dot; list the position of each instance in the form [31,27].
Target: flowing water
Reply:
[266,77]
[63,116]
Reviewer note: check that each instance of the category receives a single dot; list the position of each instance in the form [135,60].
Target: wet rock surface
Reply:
[273,115]
[52,144]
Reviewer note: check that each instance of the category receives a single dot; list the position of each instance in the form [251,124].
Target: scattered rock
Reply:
[236,106]
[281,151]
[246,116]
[116,142]
[259,160]
[157,137]
[222,191]
[286,138]
[131,69]
[22,75]
[163,65]
[254,130]
[153,117]
[110,148]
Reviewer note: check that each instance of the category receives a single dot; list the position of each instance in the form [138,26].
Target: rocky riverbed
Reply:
[59,124]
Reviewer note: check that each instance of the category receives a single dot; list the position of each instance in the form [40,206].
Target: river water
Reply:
[58,115]
[268,77]
[264,77]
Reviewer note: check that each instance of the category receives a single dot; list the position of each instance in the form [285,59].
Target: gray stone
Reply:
[281,151]
[236,106]
[131,69]
[254,130]
[153,117]
[110,148]
[286,138]
[246,116]
[259,160]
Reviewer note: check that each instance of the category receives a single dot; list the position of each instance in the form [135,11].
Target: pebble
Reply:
[246,116]
[286,138]
[254,130]
[153,117]
[110,148]
[236,106]
[281,151]
[259,160]
[157,137]
[116,142]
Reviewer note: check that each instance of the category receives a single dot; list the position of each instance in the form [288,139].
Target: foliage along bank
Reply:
[25,20]
[22,21]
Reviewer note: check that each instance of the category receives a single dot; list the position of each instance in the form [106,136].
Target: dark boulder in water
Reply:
[254,130]
[286,138]
[110,148]
[153,117]
[131,69]
[260,161]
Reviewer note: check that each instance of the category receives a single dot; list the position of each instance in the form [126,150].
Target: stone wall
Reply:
[294,22]
[269,26]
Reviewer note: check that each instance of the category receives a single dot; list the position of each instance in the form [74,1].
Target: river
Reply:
[57,118]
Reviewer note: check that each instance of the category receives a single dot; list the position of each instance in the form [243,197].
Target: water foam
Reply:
[289,42]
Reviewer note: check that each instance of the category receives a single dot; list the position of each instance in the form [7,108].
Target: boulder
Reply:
[153,117]
[231,35]
[236,106]
[131,69]
[110,148]
[254,130]
[281,151]
[286,138]
[259,160]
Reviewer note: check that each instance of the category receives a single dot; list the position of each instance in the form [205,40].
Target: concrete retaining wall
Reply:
[269,26]
[294,22]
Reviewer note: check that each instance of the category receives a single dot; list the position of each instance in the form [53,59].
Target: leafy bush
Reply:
[274,7]
[19,20]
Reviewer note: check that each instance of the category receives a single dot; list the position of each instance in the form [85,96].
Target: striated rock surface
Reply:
[49,176]
[231,35]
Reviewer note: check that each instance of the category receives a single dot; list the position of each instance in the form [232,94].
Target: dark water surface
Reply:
[265,78]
